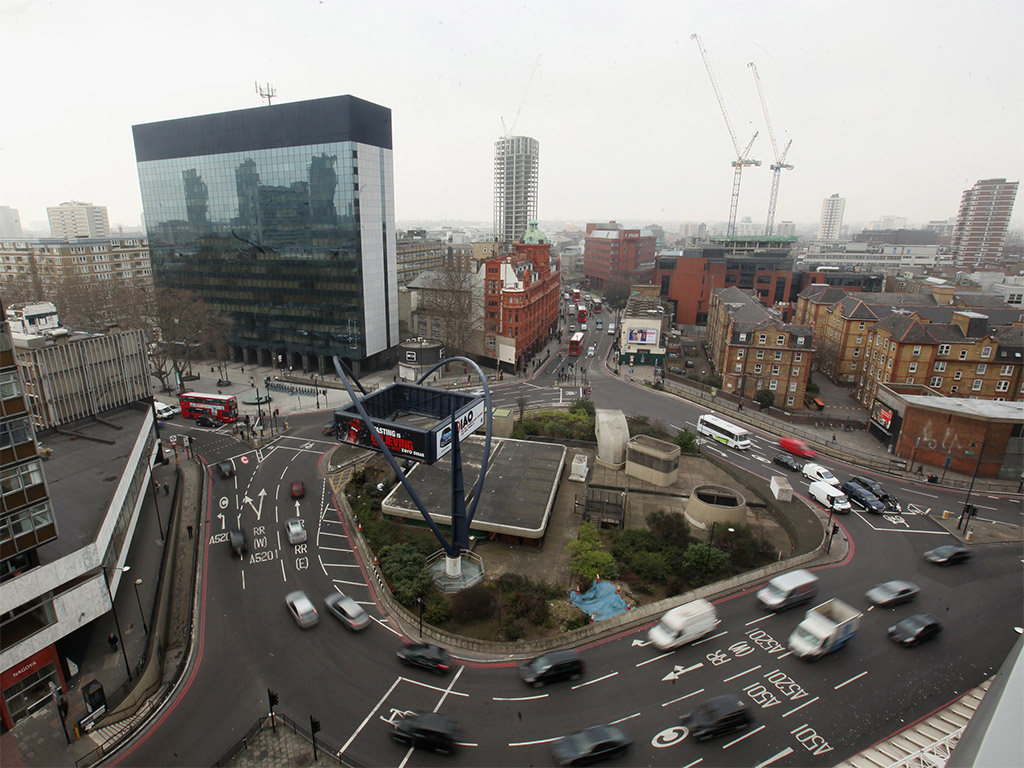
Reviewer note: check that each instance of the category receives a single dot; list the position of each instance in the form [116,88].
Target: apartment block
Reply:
[982,223]
[45,266]
[75,219]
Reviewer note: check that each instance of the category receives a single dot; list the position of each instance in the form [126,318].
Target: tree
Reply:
[765,398]
[686,440]
[616,291]
[450,298]
[588,556]
[521,402]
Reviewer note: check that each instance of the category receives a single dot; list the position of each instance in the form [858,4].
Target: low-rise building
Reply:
[643,329]
[612,253]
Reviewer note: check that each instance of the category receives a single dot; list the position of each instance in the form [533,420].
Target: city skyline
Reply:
[897,108]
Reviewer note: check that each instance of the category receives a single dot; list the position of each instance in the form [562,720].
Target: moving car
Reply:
[552,667]
[814,471]
[427,656]
[236,540]
[788,461]
[871,485]
[572,328]
[787,590]
[598,742]
[206,421]
[797,447]
[301,609]
[892,593]
[949,554]
[295,529]
[225,469]
[347,611]
[328,428]
[163,411]
[298,489]
[717,717]
[429,730]
[863,498]
[915,629]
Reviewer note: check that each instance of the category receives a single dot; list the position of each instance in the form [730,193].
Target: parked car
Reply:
[429,730]
[915,629]
[797,447]
[599,742]
[295,529]
[788,461]
[225,469]
[236,540]
[347,611]
[552,667]
[427,656]
[892,593]
[871,485]
[688,363]
[301,608]
[717,717]
[814,471]
[863,498]
[298,489]
[676,370]
[949,554]
[206,421]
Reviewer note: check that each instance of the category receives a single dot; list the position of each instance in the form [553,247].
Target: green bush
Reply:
[583,405]
[588,556]
[686,440]
[404,566]
[438,610]
[669,528]
[578,619]
[513,630]
[473,603]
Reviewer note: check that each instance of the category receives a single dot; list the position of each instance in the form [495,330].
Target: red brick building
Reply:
[627,255]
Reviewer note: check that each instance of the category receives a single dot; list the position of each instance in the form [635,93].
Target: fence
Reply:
[324,748]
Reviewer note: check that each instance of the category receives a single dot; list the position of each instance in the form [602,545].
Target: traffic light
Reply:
[314,725]
[272,696]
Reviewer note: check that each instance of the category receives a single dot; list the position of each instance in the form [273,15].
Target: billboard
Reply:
[409,443]
[642,336]
[881,415]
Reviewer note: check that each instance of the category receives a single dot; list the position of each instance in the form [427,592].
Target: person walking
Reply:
[167,490]
[112,639]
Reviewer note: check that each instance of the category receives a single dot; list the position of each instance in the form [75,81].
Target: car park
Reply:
[892,593]
[797,447]
[814,471]
[426,656]
[788,461]
[949,554]
[295,530]
[347,611]
[863,498]
[225,469]
[599,742]
[236,540]
[719,716]
[301,608]
[206,421]
[552,667]
[871,485]
[915,629]
[427,730]
[298,489]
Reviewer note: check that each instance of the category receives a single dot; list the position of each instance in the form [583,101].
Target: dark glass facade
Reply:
[283,218]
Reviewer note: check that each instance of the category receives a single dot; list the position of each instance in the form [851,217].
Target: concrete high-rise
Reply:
[282,217]
[831,224]
[77,219]
[982,223]
[516,164]
[10,222]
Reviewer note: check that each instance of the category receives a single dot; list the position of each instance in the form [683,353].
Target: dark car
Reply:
[298,489]
[871,485]
[225,469]
[863,498]
[236,539]
[788,461]
[949,554]
[689,363]
[429,730]
[329,428]
[797,447]
[347,611]
[676,370]
[915,629]
[427,656]
[892,593]
[552,667]
[598,742]
[717,717]
[206,421]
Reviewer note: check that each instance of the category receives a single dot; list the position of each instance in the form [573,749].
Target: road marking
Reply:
[797,709]
[741,674]
[350,583]
[446,690]
[675,701]
[695,762]
[640,643]
[519,698]
[339,535]
[369,715]
[624,719]
[777,756]
[745,735]
[677,671]
[531,743]
[283,574]
[706,639]
[982,506]
[591,682]
[243,578]
[855,677]
[766,616]
[921,493]
[655,658]
[787,653]
[336,549]
[341,565]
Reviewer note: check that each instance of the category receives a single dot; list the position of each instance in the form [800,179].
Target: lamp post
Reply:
[965,516]
[142,613]
[113,609]
[711,538]
[156,506]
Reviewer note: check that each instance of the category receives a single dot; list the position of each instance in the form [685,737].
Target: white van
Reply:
[814,472]
[683,625]
[163,411]
[829,496]
[788,590]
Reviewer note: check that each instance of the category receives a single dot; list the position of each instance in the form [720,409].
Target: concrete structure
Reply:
[612,432]
[611,253]
[864,256]
[75,219]
[516,171]
[1011,290]
[47,267]
[10,223]
[281,217]
[653,461]
[33,319]
[830,226]
[982,223]
[643,329]
[716,505]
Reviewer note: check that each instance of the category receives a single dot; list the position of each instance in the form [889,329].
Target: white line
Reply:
[766,616]
[656,658]
[283,574]
[450,686]
[435,687]
[370,714]
[921,493]
[519,698]
[982,506]
[787,653]
[339,535]
[690,765]
[243,578]
[745,735]
[855,677]
[776,756]
[674,701]
[591,682]
[531,743]
[335,549]
[350,583]
[712,637]
[341,565]
[624,719]
[741,674]
[797,709]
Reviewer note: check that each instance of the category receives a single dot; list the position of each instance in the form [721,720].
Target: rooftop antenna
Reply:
[266,92]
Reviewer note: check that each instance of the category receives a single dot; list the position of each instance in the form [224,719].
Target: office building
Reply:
[77,219]
[10,222]
[982,224]
[831,224]
[516,167]
[281,217]
[614,254]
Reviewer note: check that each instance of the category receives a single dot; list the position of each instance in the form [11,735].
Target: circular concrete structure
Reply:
[716,504]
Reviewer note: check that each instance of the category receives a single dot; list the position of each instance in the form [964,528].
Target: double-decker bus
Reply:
[581,314]
[576,344]
[724,432]
[596,306]
[576,295]
[221,407]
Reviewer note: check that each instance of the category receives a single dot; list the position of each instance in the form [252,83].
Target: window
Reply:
[1002,386]
[9,385]
[976,385]
[739,367]
[957,375]
[775,370]
[796,373]
[860,339]
[944,349]
[798,357]
[15,478]
[912,368]
[757,368]
[17,431]
[856,352]
[917,350]
[743,337]
[909,380]
[986,351]
[982,368]
[739,354]
[760,354]
[773,385]
[778,354]
[954,389]
[940,366]
[963,354]
[762,338]
[936,381]
[860,326]
[1006,370]
[780,340]
[792,386]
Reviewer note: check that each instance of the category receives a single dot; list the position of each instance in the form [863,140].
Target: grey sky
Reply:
[897,106]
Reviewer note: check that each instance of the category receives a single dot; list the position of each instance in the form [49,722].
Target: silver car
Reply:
[301,608]
[347,611]
[296,530]
[892,593]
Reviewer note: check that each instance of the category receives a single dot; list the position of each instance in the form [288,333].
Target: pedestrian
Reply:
[167,490]
[156,485]
[833,437]
[189,527]
[112,639]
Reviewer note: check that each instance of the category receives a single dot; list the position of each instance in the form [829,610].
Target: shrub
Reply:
[473,603]
[588,555]
[578,619]
[583,405]
[686,440]
[765,398]
[404,566]
[438,610]
[513,629]
[669,528]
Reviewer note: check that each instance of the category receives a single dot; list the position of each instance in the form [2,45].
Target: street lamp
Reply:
[142,613]
[965,516]
[113,610]
[711,538]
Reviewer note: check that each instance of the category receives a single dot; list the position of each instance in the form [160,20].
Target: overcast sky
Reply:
[896,106]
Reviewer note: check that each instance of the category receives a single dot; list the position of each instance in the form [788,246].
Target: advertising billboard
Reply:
[642,336]
[468,422]
[881,415]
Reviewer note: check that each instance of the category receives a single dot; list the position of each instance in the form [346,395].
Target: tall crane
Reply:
[508,131]
[743,158]
[780,160]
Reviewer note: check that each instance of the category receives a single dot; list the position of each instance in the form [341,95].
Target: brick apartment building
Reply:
[627,255]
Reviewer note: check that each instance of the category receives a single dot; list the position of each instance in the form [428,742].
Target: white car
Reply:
[296,530]
[814,472]
[572,329]
[301,608]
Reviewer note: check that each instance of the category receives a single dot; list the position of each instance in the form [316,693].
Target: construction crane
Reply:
[743,158]
[508,131]
[780,160]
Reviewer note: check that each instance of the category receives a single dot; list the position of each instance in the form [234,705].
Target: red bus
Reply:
[576,295]
[221,407]
[576,344]
[581,314]
[597,307]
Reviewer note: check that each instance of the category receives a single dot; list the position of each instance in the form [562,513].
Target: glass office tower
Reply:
[283,218]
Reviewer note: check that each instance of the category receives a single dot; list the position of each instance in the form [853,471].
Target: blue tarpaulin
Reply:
[601,601]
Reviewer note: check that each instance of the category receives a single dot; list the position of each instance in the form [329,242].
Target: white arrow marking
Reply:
[640,643]
[259,510]
[675,673]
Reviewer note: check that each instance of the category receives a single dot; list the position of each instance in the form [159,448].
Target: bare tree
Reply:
[521,402]
[452,299]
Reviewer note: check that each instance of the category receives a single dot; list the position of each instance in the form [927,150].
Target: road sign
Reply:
[244,459]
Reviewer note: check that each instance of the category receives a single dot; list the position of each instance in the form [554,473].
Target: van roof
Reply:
[794,578]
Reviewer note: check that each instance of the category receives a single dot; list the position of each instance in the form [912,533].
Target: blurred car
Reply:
[328,428]
[206,421]
[892,593]
[717,717]
[298,489]
[572,329]
[676,370]
[301,608]
[915,629]
[599,742]
[788,461]
[347,611]
[871,485]
[429,730]
[863,498]
[689,363]
[797,447]
[295,529]
[236,540]
[948,554]
[225,469]
[814,472]
[427,656]
[552,667]
[176,407]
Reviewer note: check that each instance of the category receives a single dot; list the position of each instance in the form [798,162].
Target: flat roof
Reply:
[995,410]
